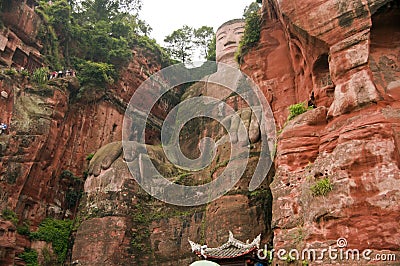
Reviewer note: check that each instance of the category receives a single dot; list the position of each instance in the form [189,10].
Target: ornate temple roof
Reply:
[232,249]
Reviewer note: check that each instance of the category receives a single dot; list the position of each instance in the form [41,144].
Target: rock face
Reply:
[342,57]
[7,242]
[345,55]
[336,171]
[121,224]
[51,132]
[18,44]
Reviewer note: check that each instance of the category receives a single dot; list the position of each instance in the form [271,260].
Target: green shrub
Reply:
[96,73]
[11,216]
[67,174]
[72,197]
[25,73]
[252,30]
[56,232]
[297,109]
[10,71]
[322,187]
[40,76]
[23,229]
[89,156]
[85,174]
[260,194]
[30,256]
[151,45]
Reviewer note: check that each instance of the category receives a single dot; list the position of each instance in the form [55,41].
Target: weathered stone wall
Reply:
[19,46]
[150,231]
[346,54]
[53,129]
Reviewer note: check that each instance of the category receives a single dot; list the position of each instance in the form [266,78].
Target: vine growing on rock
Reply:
[30,257]
[48,38]
[10,215]
[56,232]
[74,191]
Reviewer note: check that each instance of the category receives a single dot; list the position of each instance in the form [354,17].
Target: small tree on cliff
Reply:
[252,29]
[180,44]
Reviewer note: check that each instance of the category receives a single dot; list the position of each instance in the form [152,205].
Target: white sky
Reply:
[165,16]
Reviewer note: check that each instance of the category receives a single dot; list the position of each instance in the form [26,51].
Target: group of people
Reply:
[51,75]
[61,74]
[3,128]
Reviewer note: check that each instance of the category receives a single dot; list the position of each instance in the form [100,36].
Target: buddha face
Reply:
[228,38]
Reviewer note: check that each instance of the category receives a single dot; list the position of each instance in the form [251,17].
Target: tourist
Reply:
[3,128]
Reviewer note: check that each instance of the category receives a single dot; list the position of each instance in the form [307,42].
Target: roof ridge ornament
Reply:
[195,247]
[231,238]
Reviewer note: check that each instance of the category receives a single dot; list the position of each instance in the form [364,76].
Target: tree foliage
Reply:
[211,49]
[251,9]
[203,38]
[30,257]
[180,44]
[96,73]
[40,76]
[109,10]
[252,29]
[56,232]
[98,34]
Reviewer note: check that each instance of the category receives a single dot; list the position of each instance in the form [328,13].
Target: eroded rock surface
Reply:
[118,217]
[346,56]
[52,129]
[341,55]
[19,46]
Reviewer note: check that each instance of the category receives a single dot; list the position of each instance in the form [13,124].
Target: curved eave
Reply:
[227,257]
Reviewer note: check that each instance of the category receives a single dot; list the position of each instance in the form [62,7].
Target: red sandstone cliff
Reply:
[20,26]
[52,130]
[347,54]
[338,52]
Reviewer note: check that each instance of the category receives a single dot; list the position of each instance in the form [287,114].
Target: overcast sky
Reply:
[165,16]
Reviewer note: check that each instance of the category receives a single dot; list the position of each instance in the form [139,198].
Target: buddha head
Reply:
[227,41]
